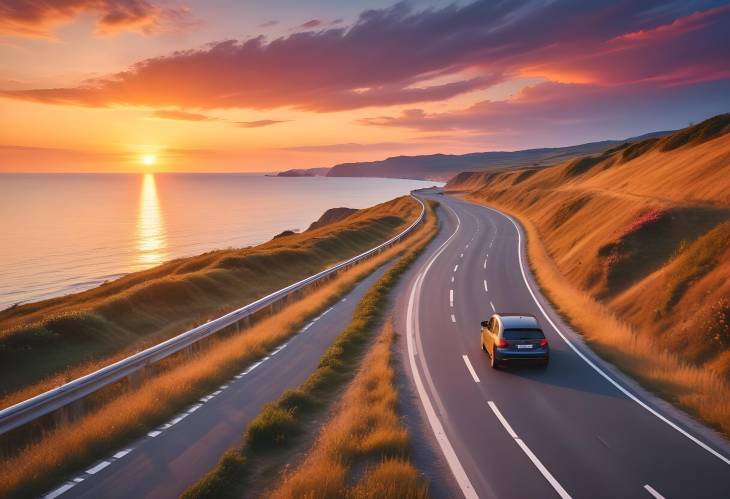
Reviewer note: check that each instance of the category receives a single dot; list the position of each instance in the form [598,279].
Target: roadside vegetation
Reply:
[633,246]
[377,440]
[45,344]
[364,433]
[132,413]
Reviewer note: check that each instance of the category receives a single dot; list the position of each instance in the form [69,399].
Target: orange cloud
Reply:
[258,123]
[37,18]
[174,114]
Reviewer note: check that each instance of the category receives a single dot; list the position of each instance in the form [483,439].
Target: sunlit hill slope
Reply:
[644,228]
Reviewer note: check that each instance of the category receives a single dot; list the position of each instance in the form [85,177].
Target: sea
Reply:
[64,233]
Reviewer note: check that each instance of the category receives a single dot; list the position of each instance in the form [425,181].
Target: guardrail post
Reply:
[69,413]
[137,377]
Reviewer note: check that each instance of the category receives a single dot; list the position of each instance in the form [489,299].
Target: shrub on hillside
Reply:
[717,325]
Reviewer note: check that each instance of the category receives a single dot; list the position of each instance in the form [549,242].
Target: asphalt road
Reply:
[177,454]
[572,430]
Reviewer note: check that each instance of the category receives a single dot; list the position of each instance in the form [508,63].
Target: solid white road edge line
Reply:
[470,368]
[438,430]
[593,364]
[543,470]
[653,492]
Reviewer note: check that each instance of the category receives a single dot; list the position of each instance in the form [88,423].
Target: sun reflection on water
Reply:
[151,236]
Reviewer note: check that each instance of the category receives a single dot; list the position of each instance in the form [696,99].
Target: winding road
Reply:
[575,429]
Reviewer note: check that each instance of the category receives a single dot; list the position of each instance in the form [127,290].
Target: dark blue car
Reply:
[511,337]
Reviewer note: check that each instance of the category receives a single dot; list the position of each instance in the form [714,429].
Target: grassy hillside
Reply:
[47,338]
[643,228]
[444,166]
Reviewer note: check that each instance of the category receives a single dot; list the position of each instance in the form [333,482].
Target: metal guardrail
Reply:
[29,410]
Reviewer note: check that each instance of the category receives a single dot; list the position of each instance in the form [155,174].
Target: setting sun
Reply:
[149,159]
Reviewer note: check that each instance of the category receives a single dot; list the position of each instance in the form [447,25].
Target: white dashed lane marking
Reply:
[59,491]
[653,491]
[541,468]
[470,368]
[98,467]
[122,453]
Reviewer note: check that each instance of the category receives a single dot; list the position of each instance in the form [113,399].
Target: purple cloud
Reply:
[313,23]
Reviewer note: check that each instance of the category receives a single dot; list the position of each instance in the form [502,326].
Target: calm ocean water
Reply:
[65,233]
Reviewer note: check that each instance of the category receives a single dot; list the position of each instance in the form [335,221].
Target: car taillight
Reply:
[501,343]
[543,343]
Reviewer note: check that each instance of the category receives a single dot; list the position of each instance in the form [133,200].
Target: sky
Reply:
[266,85]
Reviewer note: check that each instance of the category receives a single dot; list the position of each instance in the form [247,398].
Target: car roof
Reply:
[518,321]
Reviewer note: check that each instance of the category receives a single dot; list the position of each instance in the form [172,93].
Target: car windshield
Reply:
[523,334]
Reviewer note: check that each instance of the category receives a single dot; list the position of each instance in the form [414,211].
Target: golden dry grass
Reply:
[73,445]
[48,342]
[364,430]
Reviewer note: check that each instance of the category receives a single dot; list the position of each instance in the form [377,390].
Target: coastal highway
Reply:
[175,455]
[575,429]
